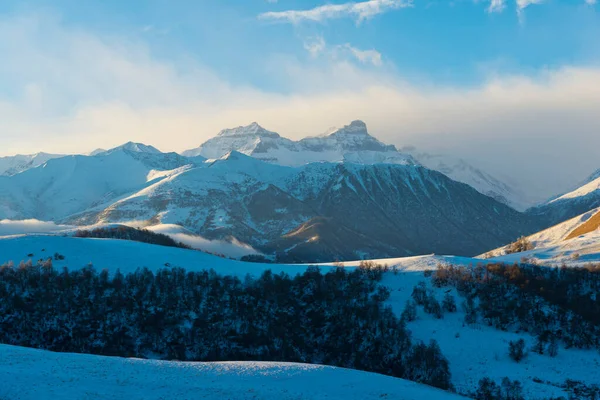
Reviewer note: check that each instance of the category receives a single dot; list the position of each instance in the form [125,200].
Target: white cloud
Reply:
[590,2]
[496,6]
[365,56]
[315,45]
[522,5]
[20,227]
[360,11]
[75,92]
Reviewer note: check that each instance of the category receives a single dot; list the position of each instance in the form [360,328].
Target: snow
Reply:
[478,351]
[36,374]
[12,165]
[573,252]
[582,191]
[461,171]
[474,352]
[551,247]
[351,143]
[128,256]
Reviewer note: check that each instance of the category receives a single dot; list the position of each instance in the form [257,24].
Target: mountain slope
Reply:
[574,242]
[569,205]
[321,211]
[461,171]
[68,185]
[15,164]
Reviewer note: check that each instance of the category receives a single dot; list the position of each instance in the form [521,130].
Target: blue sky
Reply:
[455,42]
[466,77]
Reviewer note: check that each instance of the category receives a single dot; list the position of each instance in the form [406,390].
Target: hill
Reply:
[36,374]
[573,242]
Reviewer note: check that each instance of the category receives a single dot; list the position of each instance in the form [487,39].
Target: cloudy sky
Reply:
[512,86]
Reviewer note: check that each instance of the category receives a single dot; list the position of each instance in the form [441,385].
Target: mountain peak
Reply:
[357,127]
[254,129]
[134,147]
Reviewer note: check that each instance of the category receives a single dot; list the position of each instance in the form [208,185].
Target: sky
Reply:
[512,86]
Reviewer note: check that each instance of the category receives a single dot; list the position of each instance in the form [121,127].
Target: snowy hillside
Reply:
[71,184]
[128,256]
[474,351]
[574,242]
[36,374]
[15,164]
[571,204]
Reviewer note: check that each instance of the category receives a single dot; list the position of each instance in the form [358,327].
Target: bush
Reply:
[520,245]
[410,311]
[487,390]
[449,304]
[516,350]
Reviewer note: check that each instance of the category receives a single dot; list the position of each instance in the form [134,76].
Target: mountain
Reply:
[71,184]
[313,213]
[571,204]
[461,171]
[130,147]
[351,143]
[15,164]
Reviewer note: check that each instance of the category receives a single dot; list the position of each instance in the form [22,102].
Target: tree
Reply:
[432,306]
[511,390]
[516,350]
[553,346]
[487,390]
[410,311]
[449,304]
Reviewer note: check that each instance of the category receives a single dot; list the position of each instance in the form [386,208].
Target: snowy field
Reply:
[37,375]
[128,256]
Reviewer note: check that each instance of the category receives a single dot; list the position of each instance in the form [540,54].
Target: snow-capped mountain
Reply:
[571,204]
[315,212]
[461,171]
[351,143]
[70,184]
[15,164]
[129,146]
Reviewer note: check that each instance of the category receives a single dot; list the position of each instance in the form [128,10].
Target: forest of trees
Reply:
[336,318]
[553,304]
[128,233]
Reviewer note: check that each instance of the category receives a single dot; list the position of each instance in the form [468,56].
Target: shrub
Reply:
[516,350]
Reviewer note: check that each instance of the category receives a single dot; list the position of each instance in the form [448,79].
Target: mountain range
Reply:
[341,196]
[351,143]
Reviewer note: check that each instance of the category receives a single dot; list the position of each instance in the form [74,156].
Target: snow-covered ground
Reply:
[128,256]
[478,351]
[560,244]
[474,352]
[36,375]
